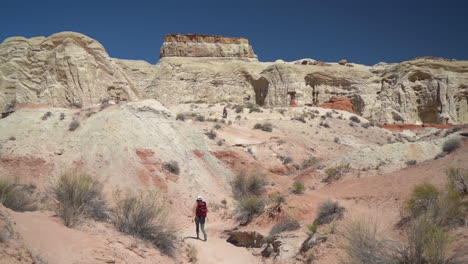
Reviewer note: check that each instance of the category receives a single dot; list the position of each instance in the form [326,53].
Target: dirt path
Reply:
[216,250]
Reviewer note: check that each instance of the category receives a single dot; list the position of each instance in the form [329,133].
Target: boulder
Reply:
[343,62]
[248,239]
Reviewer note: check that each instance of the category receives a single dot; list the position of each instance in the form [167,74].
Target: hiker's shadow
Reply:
[189,237]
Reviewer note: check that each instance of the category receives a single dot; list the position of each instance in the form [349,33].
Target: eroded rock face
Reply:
[68,68]
[65,68]
[196,45]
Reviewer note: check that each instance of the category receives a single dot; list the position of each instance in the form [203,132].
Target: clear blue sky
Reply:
[361,31]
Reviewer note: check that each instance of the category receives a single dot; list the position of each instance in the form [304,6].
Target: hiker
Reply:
[200,210]
[224,112]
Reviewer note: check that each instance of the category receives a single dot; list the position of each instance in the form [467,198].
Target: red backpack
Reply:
[201,209]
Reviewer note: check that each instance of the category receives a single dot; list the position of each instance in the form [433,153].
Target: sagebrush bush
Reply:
[239,109]
[426,242]
[278,199]
[172,167]
[411,162]
[211,134]
[74,125]
[78,195]
[180,117]
[423,196]
[458,179]
[288,224]
[217,126]
[451,145]
[366,125]
[355,119]
[287,160]
[200,118]
[298,187]
[46,116]
[145,215]
[329,211]
[17,197]
[363,245]
[248,185]
[312,161]
[312,228]
[249,207]
[335,173]
[264,127]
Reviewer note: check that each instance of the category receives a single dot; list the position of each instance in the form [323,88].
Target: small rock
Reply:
[343,62]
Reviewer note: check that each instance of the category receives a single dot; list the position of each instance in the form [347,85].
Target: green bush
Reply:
[78,195]
[145,216]
[328,212]
[278,199]
[312,228]
[423,196]
[172,167]
[287,160]
[288,224]
[180,117]
[451,145]
[248,185]
[239,109]
[249,207]
[458,180]
[264,127]
[74,125]
[312,161]
[298,187]
[211,134]
[17,197]
[355,119]
[335,173]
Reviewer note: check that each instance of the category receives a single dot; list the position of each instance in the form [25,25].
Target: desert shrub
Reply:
[449,210]
[239,109]
[336,140]
[325,124]
[46,115]
[298,187]
[335,173]
[255,109]
[426,243]
[328,212]
[281,142]
[217,126]
[249,207]
[296,166]
[451,145]
[180,117]
[287,160]
[264,127]
[355,119]
[312,228]
[281,111]
[220,142]
[288,224]
[278,199]
[351,124]
[458,180]
[200,118]
[312,161]
[364,245]
[329,114]
[74,125]
[366,125]
[248,185]
[16,196]
[423,196]
[12,138]
[224,203]
[238,117]
[172,167]
[78,195]
[300,118]
[76,105]
[145,216]
[211,134]
[62,116]
[453,130]
[411,162]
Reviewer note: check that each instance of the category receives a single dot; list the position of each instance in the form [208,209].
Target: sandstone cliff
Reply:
[196,45]
[63,69]
[70,68]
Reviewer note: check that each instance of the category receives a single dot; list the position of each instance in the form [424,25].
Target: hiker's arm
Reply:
[194,210]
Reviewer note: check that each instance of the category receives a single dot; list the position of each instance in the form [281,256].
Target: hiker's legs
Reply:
[197,223]
[202,224]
